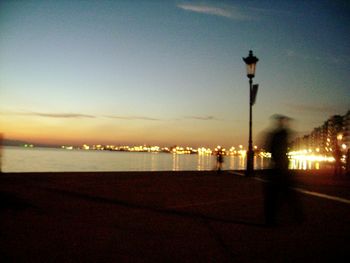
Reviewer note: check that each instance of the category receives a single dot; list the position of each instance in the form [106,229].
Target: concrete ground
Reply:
[168,217]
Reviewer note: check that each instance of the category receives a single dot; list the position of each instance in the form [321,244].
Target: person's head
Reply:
[281,121]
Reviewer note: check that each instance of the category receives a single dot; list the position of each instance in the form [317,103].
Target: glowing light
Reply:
[243,153]
[86,147]
[265,154]
[304,156]
[67,147]
[204,151]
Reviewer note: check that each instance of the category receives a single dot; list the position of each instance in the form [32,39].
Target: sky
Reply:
[168,72]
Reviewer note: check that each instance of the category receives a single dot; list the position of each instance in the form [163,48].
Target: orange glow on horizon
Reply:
[76,131]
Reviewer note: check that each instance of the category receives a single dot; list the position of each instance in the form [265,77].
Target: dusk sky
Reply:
[168,72]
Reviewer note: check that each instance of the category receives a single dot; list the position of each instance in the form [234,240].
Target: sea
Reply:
[20,159]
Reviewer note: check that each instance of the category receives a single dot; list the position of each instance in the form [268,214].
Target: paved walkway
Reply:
[167,217]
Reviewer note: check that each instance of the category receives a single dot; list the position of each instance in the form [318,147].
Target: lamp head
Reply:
[250,62]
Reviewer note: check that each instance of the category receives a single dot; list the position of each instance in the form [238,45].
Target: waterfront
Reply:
[16,159]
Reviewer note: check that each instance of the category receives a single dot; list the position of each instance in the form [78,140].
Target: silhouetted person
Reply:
[337,163]
[219,160]
[278,187]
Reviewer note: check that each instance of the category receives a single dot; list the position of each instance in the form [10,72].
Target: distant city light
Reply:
[174,150]
[308,156]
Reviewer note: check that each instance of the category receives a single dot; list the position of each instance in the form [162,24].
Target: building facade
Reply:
[335,132]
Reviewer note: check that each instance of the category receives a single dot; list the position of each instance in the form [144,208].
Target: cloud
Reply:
[51,115]
[227,12]
[62,115]
[120,117]
[144,118]
[202,118]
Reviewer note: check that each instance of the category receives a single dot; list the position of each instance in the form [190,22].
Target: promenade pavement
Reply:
[168,217]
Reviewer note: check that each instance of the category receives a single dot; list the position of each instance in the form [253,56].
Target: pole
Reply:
[250,154]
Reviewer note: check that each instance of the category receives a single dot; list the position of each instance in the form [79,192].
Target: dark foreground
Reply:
[167,217]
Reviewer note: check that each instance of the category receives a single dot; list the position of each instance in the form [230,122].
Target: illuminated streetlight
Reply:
[250,62]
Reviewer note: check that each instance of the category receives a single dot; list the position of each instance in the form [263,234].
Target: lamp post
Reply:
[250,61]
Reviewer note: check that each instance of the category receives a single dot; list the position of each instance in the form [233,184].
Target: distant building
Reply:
[346,129]
[334,132]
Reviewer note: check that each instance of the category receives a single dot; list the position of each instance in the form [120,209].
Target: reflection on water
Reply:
[56,160]
[175,162]
[204,162]
[307,164]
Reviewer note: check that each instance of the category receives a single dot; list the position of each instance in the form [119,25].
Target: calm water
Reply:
[57,160]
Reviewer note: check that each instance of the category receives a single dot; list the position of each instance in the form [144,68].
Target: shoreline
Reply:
[262,172]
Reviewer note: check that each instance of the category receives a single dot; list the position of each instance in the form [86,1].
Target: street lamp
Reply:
[251,61]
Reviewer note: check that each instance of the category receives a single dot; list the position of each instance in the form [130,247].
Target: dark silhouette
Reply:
[278,188]
[219,160]
[337,163]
